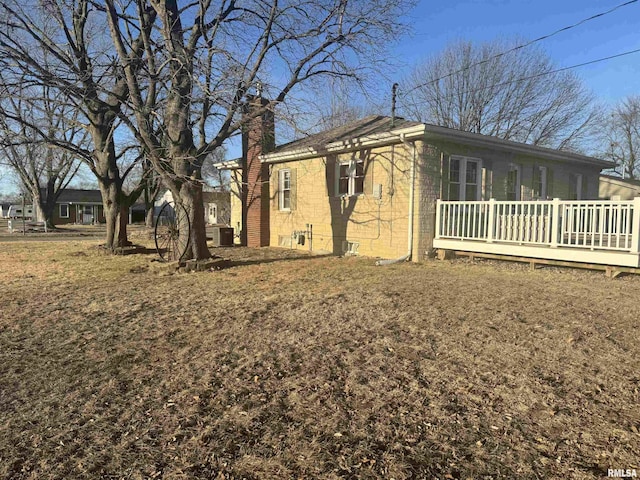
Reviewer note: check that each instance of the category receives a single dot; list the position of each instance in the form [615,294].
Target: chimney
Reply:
[258,137]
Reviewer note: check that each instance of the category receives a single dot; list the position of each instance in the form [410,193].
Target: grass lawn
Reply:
[287,367]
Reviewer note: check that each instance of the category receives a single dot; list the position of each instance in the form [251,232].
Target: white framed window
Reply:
[64,210]
[513,182]
[284,190]
[540,183]
[351,178]
[465,178]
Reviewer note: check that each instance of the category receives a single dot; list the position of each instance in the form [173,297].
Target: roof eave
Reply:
[435,132]
[234,164]
[376,140]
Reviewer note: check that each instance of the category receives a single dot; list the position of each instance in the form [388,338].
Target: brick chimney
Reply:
[258,137]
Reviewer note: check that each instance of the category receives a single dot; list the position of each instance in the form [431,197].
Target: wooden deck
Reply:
[603,232]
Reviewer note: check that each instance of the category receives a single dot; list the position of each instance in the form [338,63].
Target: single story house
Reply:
[79,206]
[617,188]
[370,187]
[216,206]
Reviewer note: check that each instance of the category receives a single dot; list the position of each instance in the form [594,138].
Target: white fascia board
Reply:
[228,165]
[380,139]
[297,154]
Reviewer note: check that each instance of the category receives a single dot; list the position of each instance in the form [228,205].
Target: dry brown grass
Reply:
[312,368]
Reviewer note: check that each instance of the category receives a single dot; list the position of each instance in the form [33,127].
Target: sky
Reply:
[434,24]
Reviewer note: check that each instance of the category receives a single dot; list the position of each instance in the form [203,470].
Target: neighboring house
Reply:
[216,206]
[616,188]
[371,187]
[78,206]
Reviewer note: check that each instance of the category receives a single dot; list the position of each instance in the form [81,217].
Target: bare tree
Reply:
[198,64]
[623,137]
[64,46]
[43,170]
[514,96]
[213,176]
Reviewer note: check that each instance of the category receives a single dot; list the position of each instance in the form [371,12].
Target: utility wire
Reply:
[527,44]
[542,74]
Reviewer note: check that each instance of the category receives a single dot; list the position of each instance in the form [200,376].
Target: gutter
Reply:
[409,254]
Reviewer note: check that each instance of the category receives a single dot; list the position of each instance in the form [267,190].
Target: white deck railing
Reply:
[607,225]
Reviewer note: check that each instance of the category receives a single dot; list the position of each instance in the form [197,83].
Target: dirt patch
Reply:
[290,366]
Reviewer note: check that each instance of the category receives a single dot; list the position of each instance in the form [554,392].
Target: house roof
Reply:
[478,140]
[73,195]
[377,130]
[215,196]
[369,126]
[374,130]
[630,182]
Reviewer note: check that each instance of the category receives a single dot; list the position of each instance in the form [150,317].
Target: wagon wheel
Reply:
[172,232]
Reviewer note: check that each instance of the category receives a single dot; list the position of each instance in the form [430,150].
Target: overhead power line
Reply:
[583,64]
[562,69]
[527,44]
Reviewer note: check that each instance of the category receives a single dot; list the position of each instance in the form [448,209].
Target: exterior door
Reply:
[87,214]
[465,179]
[212,214]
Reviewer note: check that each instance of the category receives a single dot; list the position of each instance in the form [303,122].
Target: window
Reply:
[64,210]
[351,178]
[575,188]
[540,183]
[464,179]
[513,183]
[284,189]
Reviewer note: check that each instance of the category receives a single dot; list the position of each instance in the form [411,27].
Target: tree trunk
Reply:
[113,204]
[123,221]
[149,218]
[37,205]
[111,217]
[191,197]
[48,203]
[47,214]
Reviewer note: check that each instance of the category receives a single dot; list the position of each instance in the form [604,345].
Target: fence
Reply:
[594,225]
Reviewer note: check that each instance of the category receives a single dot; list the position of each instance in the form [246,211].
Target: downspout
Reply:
[407,257]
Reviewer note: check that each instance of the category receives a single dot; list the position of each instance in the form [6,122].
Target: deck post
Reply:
[438,217]
[635,227]
[555,222]
[492,220]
